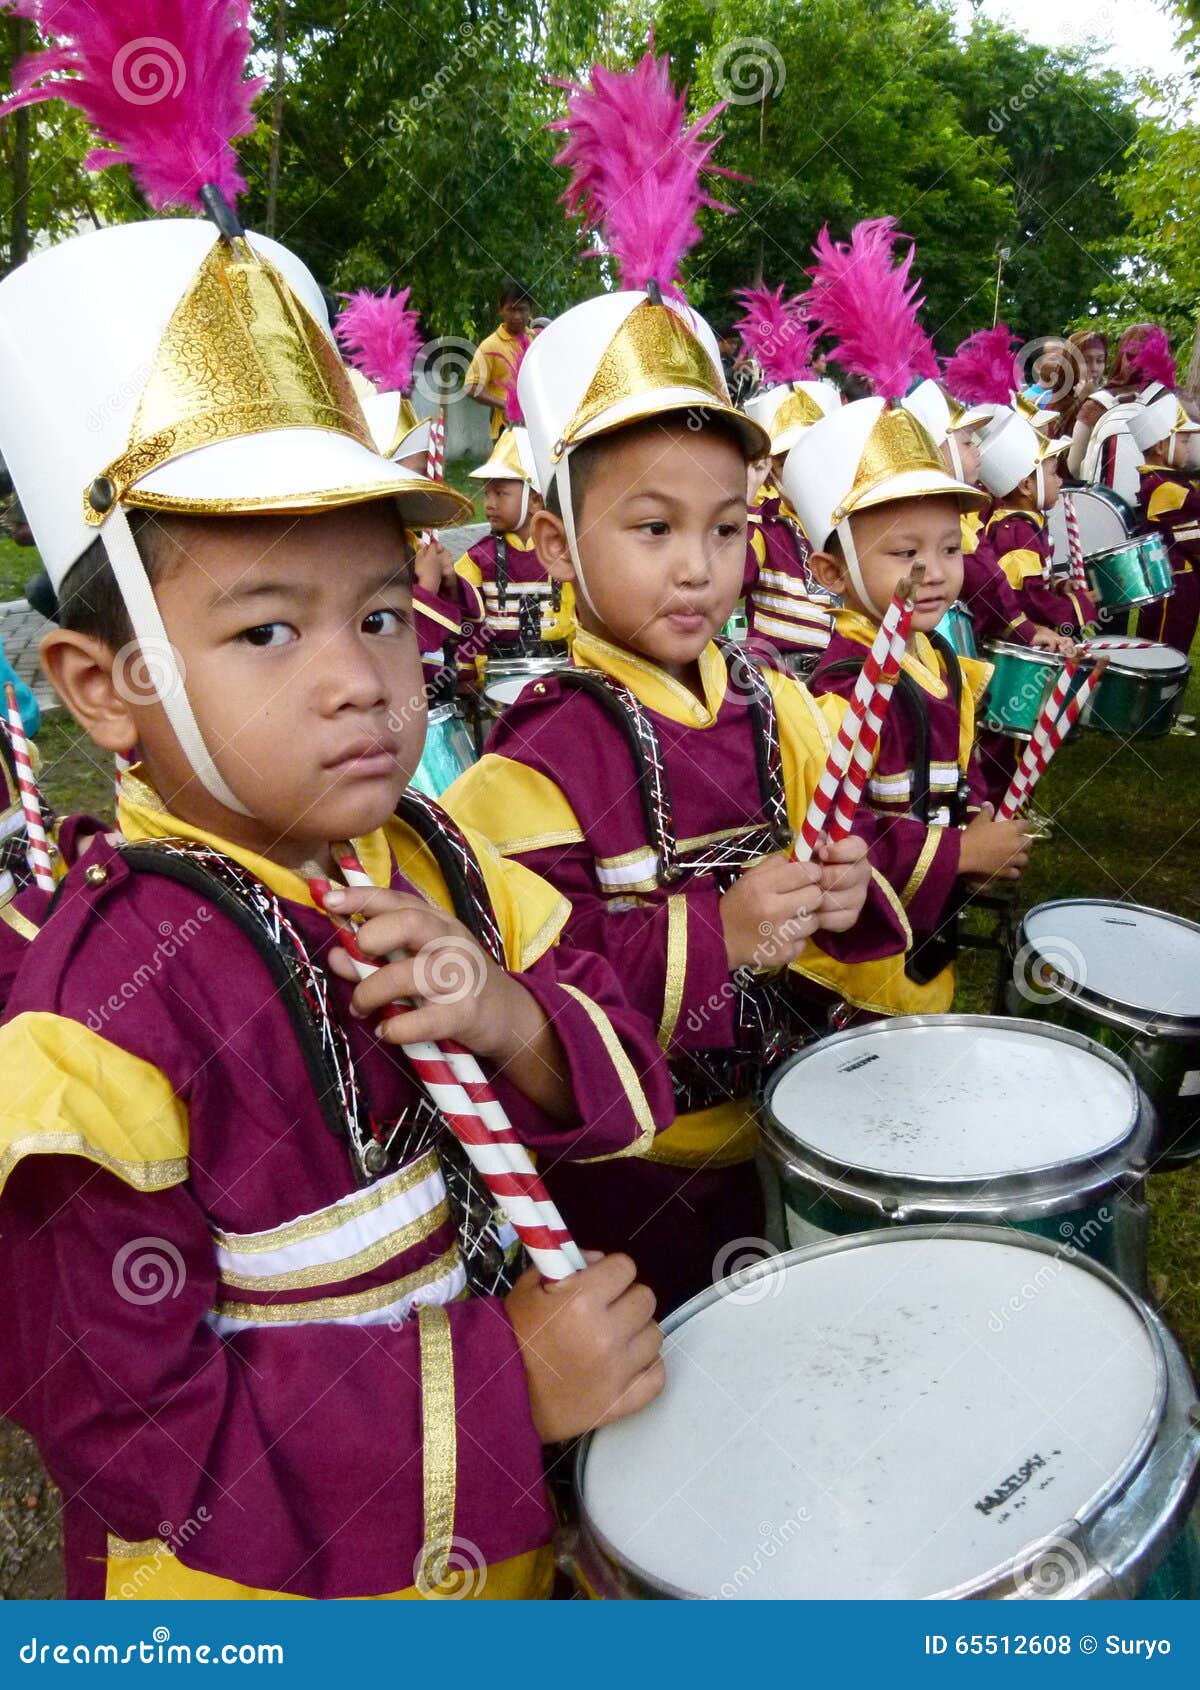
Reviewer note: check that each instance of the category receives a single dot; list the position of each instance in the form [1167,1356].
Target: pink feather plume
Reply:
[776,333]
[512,405]
[861,296]
[1149,358]
[162,82]
[636,167]
[380,335]
[983,370]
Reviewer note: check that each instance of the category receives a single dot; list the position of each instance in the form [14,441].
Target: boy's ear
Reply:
[550,541]
[1027,488]
[830,572]
[85,675]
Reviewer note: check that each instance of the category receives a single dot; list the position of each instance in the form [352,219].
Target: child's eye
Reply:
[657,528]
[384,622]
[729,530]
[268,634]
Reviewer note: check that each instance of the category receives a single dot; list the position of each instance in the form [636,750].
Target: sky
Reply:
[1136,34]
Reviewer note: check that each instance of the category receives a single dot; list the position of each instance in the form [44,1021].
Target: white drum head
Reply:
[954,1102]
[1145,960]
[508,691]
[897,1419]
[1148,660]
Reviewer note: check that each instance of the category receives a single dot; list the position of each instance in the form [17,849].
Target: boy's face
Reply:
[295,639]
[514,314]
[1051,482]
[889,541]
[968,453]
[502,505]
[1094,361]
[661,529]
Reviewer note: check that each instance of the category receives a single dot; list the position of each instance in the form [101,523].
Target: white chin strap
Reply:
[956,462]
[524,516]
[158,654]
[566,506]
[1172,442]
[850,554]
[1039,482]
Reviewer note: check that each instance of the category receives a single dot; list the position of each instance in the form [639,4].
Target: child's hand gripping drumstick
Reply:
[457,1085]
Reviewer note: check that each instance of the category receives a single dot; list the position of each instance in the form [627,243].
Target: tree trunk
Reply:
[1191,384]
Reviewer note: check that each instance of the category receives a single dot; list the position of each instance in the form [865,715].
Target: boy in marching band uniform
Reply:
[1018,466]
[505,588]
[330,1371]
[1169,500]
[787,613]
[873,494]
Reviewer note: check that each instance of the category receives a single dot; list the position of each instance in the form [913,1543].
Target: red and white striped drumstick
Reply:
[1074,542]
[460,1089]
[1048,735]
[37,845]
[1112,644]
[861,725]
[435,462]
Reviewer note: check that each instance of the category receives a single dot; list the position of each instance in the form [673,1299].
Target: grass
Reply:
[17,565]
[1126,825]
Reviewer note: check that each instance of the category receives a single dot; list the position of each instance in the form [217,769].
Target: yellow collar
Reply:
[1038,518]
[515,542]
[143,815]
[920,660]
[652,686]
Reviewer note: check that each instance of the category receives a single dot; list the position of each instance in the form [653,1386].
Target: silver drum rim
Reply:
[1111,1011]
[1031,1194]
[1162,1470]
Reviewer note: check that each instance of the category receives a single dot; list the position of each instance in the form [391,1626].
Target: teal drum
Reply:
[957,628]
[1129,977]
[1156,563]
[967,1118]
[933,1412]
[738,626]
[1022,678]
[449,751]
[1119,579]
[1142,690]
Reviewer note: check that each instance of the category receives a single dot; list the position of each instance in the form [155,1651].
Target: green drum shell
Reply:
[1161,1051]
[1021,680]
[1139,1541]
[1136,703]
[738,627]
[958,628]
[1118,578]
[1094,1206]
[1156,564]
[449,751]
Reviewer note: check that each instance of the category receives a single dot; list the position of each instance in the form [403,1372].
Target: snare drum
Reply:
[1119,579]
[957,627]
[925,1413]
[1128,977]
[964,1118]
[1105,521]
[449,751]
[738,626]
[1156,562]
[1140,693]
[1022,679]
[507,678]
